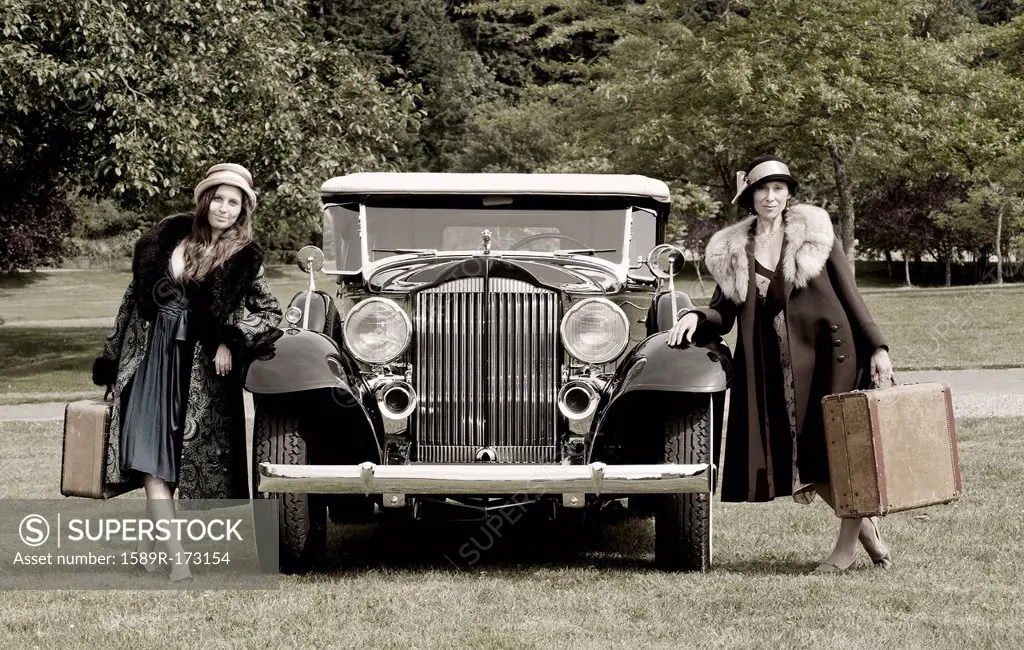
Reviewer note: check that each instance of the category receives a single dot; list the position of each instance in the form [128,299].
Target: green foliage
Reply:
[995,12]
[974,220]
[690,91]
[543,43]
[133,101]
[415,44]
[695,216]
[525,137]
[104,218]
[891,209]
[34,218]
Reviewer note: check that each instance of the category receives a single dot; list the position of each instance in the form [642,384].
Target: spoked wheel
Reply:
[682,522]
[302,518]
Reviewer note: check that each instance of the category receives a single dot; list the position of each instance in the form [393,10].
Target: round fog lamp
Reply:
[293,316]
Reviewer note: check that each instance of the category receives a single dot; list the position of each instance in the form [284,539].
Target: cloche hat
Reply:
[761,170]
[228,174]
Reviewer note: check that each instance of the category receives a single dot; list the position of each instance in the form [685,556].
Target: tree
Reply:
[34,219]
[847,90]
[135,100]
[896,214]
[418,45]
[978,220]
[696,215]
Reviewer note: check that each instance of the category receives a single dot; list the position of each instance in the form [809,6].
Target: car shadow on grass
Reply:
[767,565]
[610,543]
[496,543]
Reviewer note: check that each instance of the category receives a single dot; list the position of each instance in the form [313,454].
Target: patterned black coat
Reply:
[233,306]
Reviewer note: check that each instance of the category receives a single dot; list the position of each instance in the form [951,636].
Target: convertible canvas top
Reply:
[378,183]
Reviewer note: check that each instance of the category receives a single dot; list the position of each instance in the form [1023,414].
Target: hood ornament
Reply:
[486,237]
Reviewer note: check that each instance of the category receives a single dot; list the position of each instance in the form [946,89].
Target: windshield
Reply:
[457,229]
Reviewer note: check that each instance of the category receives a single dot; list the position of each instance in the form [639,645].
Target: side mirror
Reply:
[310,259]
[666,260]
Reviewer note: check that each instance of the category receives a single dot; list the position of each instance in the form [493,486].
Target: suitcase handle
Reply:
[109,393]
[892,382]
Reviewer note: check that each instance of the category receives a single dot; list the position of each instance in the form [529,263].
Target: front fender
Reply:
[654,380]
[704,366]
[303,360]
[300,360]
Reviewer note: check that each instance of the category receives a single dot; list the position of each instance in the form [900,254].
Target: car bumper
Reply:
[481,479]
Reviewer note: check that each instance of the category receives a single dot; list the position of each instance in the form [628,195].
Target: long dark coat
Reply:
[831,339]
[233,306]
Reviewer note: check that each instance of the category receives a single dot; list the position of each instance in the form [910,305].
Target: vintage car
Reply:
[495,341]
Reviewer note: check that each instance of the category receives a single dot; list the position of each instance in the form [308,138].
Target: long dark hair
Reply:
[202,254]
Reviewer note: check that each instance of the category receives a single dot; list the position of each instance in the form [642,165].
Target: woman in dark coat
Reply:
[196,309]
[804,333]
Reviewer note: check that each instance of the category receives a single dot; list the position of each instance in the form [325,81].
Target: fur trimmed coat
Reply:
[831,339]
[233,306]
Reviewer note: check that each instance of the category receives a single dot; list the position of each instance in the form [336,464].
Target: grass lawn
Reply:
[956,582]
[969,327]
[57,356]
[944,329]
[36,359]
[61,295]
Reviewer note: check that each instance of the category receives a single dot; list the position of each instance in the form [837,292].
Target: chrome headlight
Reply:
[595,330]
[377,330]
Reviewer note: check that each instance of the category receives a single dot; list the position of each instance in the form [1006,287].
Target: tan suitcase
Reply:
[83,463]
[891,449]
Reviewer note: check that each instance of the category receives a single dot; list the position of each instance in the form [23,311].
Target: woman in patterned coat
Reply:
[197,308]
[804,332]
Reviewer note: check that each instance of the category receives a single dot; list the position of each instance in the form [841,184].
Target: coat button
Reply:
[841,358]
[836,343]
[834,327]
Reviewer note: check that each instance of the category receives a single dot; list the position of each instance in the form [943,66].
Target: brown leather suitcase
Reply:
[891,449]
[83,463]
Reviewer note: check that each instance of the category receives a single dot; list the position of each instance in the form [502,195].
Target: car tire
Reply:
[302,518]
[682,522]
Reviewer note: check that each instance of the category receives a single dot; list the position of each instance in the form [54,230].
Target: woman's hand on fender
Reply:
[881,368]
[683,330]
[222,360]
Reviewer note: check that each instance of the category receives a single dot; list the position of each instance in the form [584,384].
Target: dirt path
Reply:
[976,393]
[55,410]
[63,322]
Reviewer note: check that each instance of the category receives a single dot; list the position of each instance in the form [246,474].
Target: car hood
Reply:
[560,274]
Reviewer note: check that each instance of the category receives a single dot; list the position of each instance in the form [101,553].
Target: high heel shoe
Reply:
[832,567]
[181,574]
[871,544]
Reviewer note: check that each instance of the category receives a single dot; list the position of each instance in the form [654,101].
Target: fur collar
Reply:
[219,294]
[808,242]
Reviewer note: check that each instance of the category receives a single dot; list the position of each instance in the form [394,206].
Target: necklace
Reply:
[762,240]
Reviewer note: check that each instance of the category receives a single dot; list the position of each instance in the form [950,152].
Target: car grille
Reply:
[486,371]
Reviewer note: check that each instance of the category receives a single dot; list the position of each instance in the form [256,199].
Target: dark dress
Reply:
[154,419]
[775,391]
